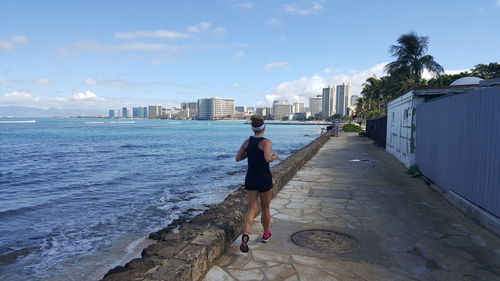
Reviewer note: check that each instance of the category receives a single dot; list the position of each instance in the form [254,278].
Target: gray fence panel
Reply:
[458,145]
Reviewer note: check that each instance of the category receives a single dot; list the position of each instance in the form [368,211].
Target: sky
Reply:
[99,55]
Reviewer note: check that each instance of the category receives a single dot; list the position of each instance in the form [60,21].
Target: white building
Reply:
[154,111]
[298,107]
[315,105]
[281,110]
[215,108]
[343,97]
[402,114]
[329,99]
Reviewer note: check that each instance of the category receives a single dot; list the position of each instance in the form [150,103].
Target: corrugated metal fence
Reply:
[376,129]
[458,145]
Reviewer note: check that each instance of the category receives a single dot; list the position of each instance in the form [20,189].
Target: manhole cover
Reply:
[324,240]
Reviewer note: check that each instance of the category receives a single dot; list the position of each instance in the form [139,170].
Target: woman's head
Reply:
[257,123]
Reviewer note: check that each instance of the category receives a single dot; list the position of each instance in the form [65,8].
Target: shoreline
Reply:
[188,247]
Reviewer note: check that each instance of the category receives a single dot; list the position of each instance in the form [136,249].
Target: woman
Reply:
[258,181]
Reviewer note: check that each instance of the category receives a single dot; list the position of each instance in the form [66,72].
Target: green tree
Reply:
[487,71]
[411,58]
[446,79]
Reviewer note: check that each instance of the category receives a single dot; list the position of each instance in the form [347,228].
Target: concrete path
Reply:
[403,230]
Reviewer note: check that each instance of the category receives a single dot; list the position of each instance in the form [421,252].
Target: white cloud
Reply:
[240,54]
[428,75]
[283,37]
[144,47]
[202,26]
[12,42]
[305,87]
[237,85]
[206,27]
[4,81]
[165,34]
[90,81]
[20,96]
[274,21]
[245,5]
[43,81]
[92,45]
[498,3]
[314,8]
[277,64]
[219,31]
[87,96]
[117,84]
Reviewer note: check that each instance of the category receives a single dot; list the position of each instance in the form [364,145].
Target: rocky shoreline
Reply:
[187,248]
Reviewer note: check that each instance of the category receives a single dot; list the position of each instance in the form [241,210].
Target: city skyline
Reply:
[113,54]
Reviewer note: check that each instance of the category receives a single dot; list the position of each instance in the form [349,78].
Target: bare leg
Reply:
[265,201]
[252,196]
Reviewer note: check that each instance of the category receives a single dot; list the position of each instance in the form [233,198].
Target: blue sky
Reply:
[107,54]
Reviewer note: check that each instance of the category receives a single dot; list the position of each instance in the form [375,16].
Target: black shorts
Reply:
[259,182]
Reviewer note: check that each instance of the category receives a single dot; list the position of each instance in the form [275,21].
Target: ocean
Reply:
[79,196]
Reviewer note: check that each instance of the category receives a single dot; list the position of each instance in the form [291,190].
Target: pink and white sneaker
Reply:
[267,235]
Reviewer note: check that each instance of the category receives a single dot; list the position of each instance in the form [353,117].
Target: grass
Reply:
[352,128]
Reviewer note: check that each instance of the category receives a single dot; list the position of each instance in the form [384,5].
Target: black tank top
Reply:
[257,164]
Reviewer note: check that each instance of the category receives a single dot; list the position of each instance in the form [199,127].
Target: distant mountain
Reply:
[24,111]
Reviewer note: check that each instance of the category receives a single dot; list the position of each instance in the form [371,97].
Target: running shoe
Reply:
[244,243]
[267,235]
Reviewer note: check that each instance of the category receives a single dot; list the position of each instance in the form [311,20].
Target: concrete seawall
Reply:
[188,253]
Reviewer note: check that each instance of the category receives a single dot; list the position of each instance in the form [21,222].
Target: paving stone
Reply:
[260,255]
[244,275]
[280,272]
[307,273]
[405,231]
[218,274]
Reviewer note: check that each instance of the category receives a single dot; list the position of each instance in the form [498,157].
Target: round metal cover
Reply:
[324,240]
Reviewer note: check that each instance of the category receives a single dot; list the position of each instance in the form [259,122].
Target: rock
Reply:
[196,257]
[173,270]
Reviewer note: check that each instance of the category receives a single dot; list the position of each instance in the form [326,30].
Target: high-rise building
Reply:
[119,113]
[298,107]
[239,109]
[329,101]
[215,108]
[343,97]
[354,100]
[135,112]
[125,112]
[265,112]
[154,111]
[143,112]
[315,105]
[281,110]
[189,110]
[111,113]
[250,109]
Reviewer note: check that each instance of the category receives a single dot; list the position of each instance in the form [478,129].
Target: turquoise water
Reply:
[78,196]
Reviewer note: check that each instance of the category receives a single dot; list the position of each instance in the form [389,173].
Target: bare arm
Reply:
[268,154]
[242,154]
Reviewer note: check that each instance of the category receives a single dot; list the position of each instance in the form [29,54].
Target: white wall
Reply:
[401,117]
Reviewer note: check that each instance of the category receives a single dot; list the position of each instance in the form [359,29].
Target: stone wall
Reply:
[188,252]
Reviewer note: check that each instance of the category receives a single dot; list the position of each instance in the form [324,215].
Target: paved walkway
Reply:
[404,230]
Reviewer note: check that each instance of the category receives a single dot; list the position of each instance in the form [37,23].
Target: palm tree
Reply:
[372,92]
[411,57]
